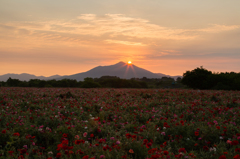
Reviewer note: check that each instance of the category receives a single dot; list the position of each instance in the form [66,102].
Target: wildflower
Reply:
[10,152]
[118,142]
[237,156]
[222,157]
[25,146]
[229,142]
[237,149]
[102,156]
[77,142]
[165,152]
[131,151]
[92,135]
[196,133]
[162,133]
[85,134]
[112,138]
[4,131]
[58,155]
[85,157]
[77,137]
[182,150]
[16,134]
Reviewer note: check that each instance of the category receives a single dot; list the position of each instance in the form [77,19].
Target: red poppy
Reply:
[4,131]
[237,149]
[235,142]
[148,144]
[131,151]
[196,133]
[128,135]
[182,150]
[205,148]
[58,155]
[237,156]
[222,157]
[10,152]
[16,134]
[65,142]
[92,135]
[77,142]
[85,157]
[65,135]
[145,141]
[165,152]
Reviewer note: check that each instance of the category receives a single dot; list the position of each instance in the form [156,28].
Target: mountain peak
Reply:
[121,62]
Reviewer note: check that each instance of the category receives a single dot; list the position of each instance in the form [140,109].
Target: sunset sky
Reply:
[48,37]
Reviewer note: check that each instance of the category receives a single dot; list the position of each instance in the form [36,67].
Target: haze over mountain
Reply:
[121,70]
[26,77]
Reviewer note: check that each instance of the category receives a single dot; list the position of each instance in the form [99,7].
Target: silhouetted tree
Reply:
[197,78]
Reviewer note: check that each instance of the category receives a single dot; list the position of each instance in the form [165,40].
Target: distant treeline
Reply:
[102,82]
[201,78]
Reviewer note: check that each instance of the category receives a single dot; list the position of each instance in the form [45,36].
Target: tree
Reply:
[197,78]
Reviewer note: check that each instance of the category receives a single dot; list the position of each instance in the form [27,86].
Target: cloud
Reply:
[114,25]
[125,42]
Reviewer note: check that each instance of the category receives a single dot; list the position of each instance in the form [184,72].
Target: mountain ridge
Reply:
[120,69]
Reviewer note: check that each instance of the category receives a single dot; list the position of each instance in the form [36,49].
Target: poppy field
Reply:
[59,123]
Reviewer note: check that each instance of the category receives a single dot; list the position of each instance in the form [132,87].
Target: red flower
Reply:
[58,155]
[80,152]
[10,152]
[222,157]
[77,142]
[4,131]
[196,133]
[237,149]
[205,148]
[85,157]
[148,144]
[237,156]
[235,142]
[165,152]
[145,141]
[16,134]
[92,135]
[182,150]
[65,135]
[65,142]
[128,135]
[105,148]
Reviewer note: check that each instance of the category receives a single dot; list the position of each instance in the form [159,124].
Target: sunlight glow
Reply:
[129,62]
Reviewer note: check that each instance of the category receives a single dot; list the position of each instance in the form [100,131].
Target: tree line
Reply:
[102,82]
[201,78]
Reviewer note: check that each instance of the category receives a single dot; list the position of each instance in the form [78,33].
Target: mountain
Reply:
[25,77]
[121,69]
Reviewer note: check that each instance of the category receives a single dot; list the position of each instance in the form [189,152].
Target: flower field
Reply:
[119,123]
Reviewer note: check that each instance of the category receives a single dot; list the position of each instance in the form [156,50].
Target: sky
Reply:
[66,37]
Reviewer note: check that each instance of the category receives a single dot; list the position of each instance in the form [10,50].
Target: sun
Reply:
[129,62]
